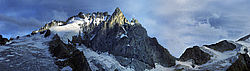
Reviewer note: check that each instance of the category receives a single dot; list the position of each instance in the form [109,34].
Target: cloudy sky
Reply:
[177,24]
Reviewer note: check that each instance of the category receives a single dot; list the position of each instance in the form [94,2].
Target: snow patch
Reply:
[245,46]
[106,60]
[158,67]
[1,58]
[67,68]
[67,31]
[123,35]
[10,55]
[186,63]
[61,59]
[132,23]
[92,37]
[218,55]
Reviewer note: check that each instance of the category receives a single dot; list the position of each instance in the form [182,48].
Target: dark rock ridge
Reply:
[241,64]
[244,38]
[3,41]
[222,46]
[73,57]
[196,54]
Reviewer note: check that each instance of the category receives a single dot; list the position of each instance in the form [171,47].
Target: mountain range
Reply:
[100,41]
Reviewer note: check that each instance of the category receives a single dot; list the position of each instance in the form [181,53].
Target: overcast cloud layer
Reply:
[178,24]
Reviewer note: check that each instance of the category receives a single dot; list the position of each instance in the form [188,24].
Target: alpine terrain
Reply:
[100,41]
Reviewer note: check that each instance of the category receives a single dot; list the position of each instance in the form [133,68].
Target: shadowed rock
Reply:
[195,54]
[222,46]
[241,64]
[48,32]
[74,58]
[244,38]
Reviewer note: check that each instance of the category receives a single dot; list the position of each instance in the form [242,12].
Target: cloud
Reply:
[27,22]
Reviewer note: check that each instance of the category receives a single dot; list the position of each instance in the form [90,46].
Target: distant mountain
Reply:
[99,41]
[222,56]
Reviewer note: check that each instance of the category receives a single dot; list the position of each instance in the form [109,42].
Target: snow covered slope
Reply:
[105,60]
[27,54]
[67,31]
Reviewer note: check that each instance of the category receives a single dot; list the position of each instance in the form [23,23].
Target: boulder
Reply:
[196,54]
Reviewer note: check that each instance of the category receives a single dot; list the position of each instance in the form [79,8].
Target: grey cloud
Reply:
[30,22]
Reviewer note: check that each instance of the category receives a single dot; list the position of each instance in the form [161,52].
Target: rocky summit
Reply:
[100,41]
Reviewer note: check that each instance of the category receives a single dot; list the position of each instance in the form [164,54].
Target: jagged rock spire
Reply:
[117,18]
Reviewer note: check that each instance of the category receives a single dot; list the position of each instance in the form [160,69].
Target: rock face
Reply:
[121,38]
[3,40]
[241,64]
[47,33]
[196,54]
[222,46]
[74,58]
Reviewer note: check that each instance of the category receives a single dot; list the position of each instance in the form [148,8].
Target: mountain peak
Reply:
[117,18]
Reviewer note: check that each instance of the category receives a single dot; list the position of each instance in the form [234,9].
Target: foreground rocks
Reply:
[196,54]
[69,54]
